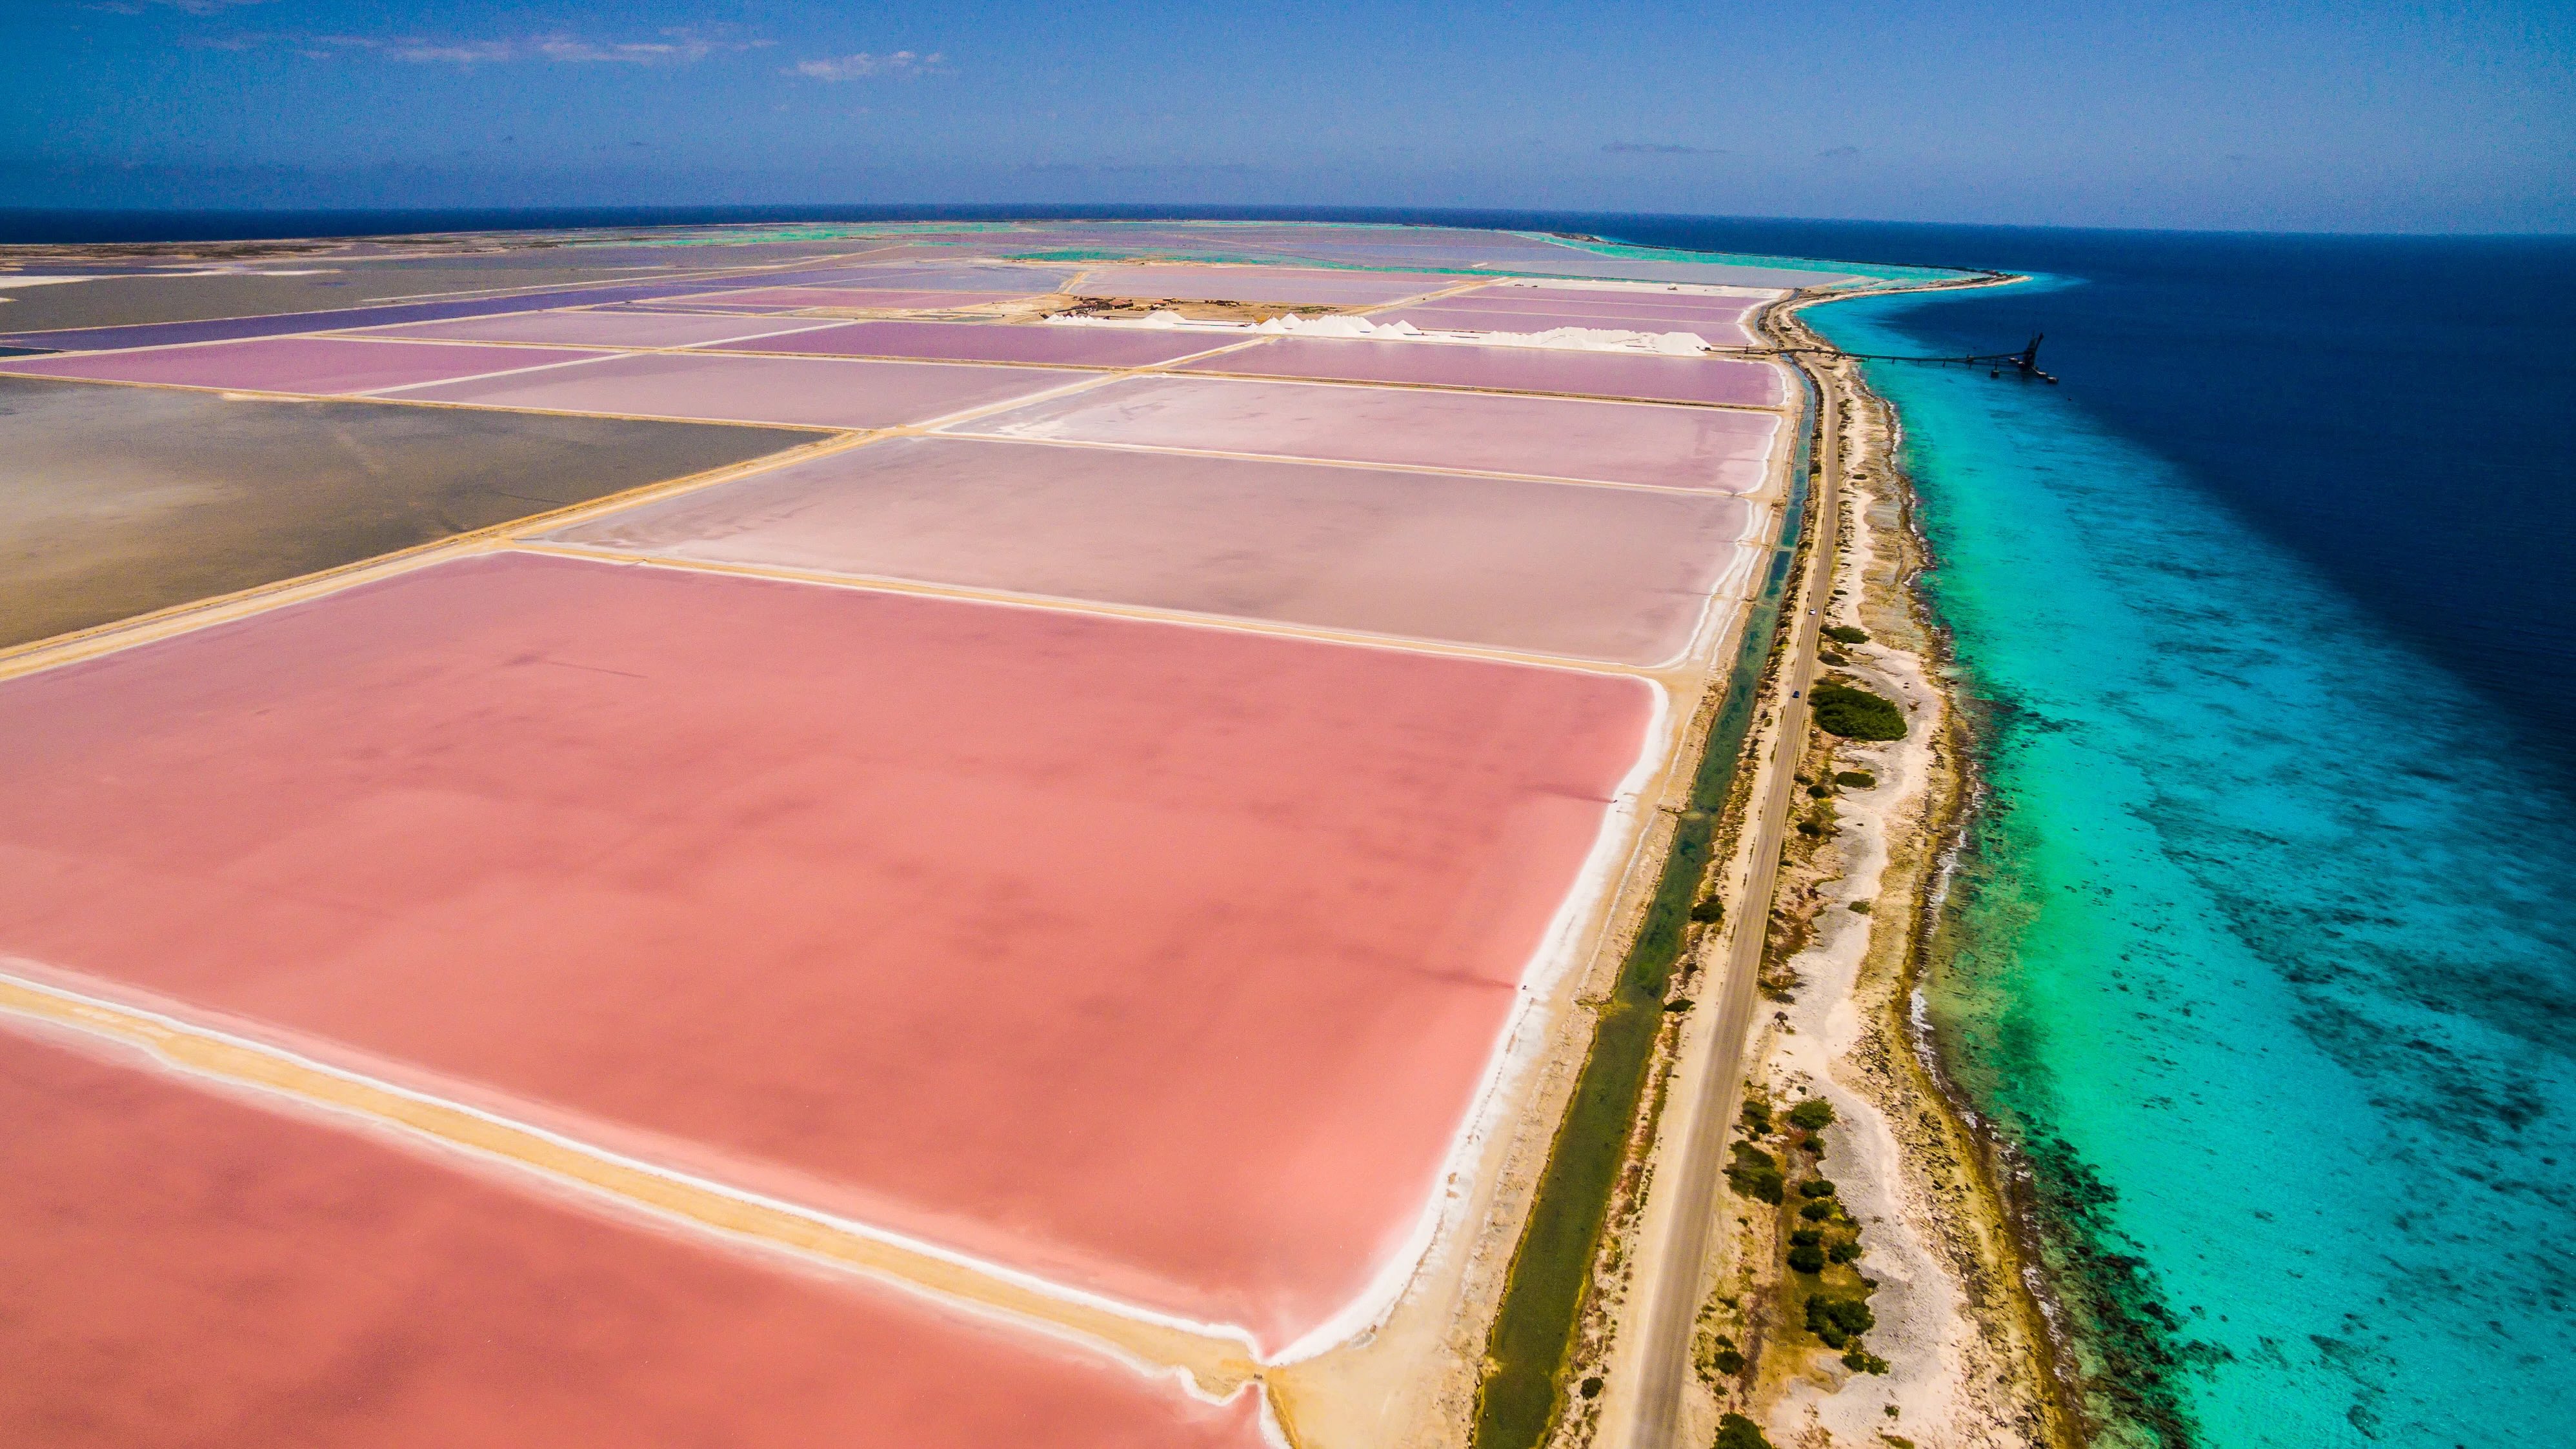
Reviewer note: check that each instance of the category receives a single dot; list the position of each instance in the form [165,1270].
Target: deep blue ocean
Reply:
[2263,945]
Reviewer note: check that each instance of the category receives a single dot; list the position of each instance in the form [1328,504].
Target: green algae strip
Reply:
[1533,1337]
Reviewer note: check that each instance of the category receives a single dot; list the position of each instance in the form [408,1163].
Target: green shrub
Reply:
[1757,1115]
[1820,792]
[1860,908]
[1860,1361]
[1807,1259]
[1806,1237]
[1816,1187]
[1811,1114]
[1830,657]
[1817,1212]
[1729,1362]
[1734,1431]
[1846,634]
[1754,1173]
[1590,1388]
[1856,779]
[1856,714]
[1709,912]
[1838,1320]
[1845,1250]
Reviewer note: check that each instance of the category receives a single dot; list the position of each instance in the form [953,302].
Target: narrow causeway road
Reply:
[1670,1305]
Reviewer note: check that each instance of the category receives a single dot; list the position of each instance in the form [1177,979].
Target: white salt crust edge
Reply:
[31,976]
[1518,1050]
[1555,339]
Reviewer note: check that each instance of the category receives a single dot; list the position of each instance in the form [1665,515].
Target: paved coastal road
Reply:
[1671,1301]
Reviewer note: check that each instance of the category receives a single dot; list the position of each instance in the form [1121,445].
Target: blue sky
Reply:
[2454,117]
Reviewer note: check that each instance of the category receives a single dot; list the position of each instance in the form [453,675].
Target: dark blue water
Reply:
[2398,412]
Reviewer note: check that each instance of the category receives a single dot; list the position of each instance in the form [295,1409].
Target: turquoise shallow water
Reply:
[2261,945]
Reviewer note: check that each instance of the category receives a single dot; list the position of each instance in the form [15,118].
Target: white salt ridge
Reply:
[1563,339]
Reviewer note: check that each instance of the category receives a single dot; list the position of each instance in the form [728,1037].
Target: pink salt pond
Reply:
[1614,574]
[1161,961]
[850,298]
[1578,439]
[805,391]
[188,1268]
[325,365]
[992,342]
[1736,381]
[621,328]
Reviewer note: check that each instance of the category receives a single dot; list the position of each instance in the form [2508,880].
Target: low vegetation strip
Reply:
[1856,714]
[1533,1336]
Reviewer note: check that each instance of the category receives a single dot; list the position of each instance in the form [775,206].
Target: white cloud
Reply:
[674,47]
[680,45]
[190,7]
[437,52]
[864,65]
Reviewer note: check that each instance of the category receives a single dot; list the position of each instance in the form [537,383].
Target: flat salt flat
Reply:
[993,342]
[322,365]
[1621,575]
[621,328]
[1461,318]
[1609,442]
[1316,286]
[1737,381]
[801,391]
[857,298]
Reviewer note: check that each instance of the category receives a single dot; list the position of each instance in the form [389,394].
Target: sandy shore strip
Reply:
[1964,1359]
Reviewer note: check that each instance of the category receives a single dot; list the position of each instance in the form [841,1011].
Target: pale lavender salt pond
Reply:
[326,365]
[1618,574]
[994,342]
[1732,381]
[827,392]
[1709,449]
